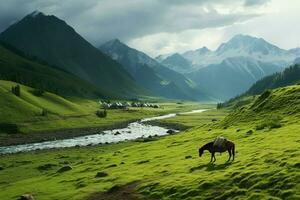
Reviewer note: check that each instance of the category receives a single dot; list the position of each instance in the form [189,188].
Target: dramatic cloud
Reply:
[155,26]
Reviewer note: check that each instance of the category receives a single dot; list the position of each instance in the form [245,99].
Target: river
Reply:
[133,131]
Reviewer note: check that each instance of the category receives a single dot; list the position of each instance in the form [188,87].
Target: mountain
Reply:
[235,65]
[296,61]
[15,66]
[232,76]
[152,75]
[243,46]
[195,56]
[161,57]
[53,40]
[177,63]
[289,76]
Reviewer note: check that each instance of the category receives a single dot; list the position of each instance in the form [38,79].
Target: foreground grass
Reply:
[267,166]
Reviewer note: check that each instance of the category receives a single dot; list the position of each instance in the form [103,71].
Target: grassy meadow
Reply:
[69,113]
[266,166]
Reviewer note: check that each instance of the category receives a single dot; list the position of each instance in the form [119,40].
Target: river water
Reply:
[133,131]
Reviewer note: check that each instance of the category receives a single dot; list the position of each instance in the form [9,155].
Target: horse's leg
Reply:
[213,154]
[211,157]
[229,151]
[233,149]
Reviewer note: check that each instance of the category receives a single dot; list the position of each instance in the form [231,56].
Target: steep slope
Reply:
[177,63]
[157,78]
[233,76]
[29,106]
[54,41]
[15,66]
[289,76]
[269,107]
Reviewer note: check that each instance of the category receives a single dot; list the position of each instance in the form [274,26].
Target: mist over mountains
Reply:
[114,67]
[234,66]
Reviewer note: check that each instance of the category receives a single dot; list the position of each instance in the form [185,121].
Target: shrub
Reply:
[44,112]
[101,114]
[38,92]
[16,90]
[271,122]
[9,128]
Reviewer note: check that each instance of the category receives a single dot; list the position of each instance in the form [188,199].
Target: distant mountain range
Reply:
[53,52]
[152,75]
[234,66]
[232,76]
[55,42]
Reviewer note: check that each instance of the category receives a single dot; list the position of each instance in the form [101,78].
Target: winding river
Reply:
[133,131]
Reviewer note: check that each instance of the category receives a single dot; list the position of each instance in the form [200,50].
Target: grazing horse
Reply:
[212,148]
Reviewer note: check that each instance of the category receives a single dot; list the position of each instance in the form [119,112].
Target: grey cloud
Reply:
[255,2]
[101,20]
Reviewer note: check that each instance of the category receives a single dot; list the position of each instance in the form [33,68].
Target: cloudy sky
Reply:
[168,26]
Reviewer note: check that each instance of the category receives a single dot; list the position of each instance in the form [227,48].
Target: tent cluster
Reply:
[139,104]
[125,105]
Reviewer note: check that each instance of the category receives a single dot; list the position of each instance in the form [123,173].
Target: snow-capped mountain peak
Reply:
[245,46]
[35,14]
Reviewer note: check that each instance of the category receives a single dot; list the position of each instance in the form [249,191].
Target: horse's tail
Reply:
[233,150]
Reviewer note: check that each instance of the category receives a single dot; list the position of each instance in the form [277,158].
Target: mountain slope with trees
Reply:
[289,76]
[16,66]
[53,40]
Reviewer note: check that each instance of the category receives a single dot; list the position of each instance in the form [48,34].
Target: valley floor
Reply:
[266,166]
[67,117]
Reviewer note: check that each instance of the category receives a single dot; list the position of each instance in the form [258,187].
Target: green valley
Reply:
[27,113]
[149,100]
[169,167]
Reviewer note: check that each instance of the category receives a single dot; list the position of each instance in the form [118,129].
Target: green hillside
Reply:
[289,76]
[16,109]
[272,106]
[266,165]
[14,66]
[54,41]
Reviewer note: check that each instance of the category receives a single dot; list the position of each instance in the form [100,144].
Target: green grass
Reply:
[278,103]
[267,164]
[264,168]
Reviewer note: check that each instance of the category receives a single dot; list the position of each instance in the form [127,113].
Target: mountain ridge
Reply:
[53,40]
[168,83]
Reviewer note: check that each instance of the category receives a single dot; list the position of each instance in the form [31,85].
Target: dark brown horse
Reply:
[228,146]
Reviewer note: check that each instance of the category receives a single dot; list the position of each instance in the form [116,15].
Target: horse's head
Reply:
[200,152]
